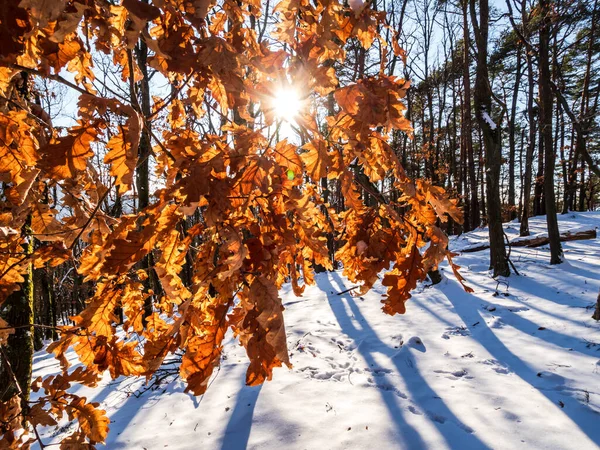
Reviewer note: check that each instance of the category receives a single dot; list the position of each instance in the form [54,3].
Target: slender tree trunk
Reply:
[521,148]
[531,115]
[467,127]
[546,103]
[563,161]
[464,168]
[573,158]
[19,347]
[144,150]
[581,203]
[48,288]
[481,176]
[492,135]
[512,139]
[19,314]
[585,117]
[538,189]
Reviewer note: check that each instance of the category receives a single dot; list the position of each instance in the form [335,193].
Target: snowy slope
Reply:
[514,365]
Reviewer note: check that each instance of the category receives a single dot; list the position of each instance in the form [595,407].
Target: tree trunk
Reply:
[546,103]
[19,314]
[512,140]
[467,127]
[492,135]
[19,347]
[531,114]
[142,172]
[596,315]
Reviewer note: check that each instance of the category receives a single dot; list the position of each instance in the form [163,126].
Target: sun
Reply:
[287,104]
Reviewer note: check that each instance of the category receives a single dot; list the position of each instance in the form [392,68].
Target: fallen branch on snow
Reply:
[537,240]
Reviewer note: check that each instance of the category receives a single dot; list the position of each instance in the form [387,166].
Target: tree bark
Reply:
[19,347]
[467,127]
[144,151]
[596,315]
[19,315]
[531,115]
[512,139]
[492,135]
[546,104]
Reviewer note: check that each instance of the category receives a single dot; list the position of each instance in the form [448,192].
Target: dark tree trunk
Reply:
[563,160]
[481,177]
[521,148]
[19,347]
[581,199]
[538,189]
[546,103]
[141,98]
[531,114]
[596,315]
[16,361]
[492,135]
[467,127]
[512,139]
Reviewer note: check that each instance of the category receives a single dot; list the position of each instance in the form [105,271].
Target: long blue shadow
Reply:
[530,302]
[238,428]
[127,411]
[454,437]
[468,308]
[519,322]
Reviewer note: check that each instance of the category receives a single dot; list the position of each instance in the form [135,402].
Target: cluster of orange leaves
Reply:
[260,226]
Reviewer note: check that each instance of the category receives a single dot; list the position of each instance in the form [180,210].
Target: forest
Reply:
[414,180]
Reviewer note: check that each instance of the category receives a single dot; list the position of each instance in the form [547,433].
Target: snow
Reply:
[488,119]
[516,364]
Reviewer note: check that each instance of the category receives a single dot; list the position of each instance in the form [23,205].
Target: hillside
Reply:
[516,364]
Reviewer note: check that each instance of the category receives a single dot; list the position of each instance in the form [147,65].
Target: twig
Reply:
[348,290]
[51,76]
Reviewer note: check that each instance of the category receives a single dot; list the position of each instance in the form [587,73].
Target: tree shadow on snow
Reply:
[428,402]
[516,320]
[237,432]
[468,308]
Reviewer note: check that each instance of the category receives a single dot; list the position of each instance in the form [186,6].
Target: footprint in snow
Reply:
[442,419]
[391,388]
[416,343]
[378,371]
[455,331]
[456,374]
[496,366]
[414,410]
[511,416]
[496,322]
[331,358]
[555,379]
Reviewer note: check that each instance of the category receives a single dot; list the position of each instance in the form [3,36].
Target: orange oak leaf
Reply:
[93,422]
[122,156]
[262,331]
[407,272]
[316,159]
[66,157]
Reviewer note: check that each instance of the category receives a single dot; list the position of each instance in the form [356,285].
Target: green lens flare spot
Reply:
[291,175]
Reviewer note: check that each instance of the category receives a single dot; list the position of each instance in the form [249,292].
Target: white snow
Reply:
[514,365]
[488,119]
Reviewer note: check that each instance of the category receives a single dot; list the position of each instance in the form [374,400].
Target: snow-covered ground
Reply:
[516,364]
